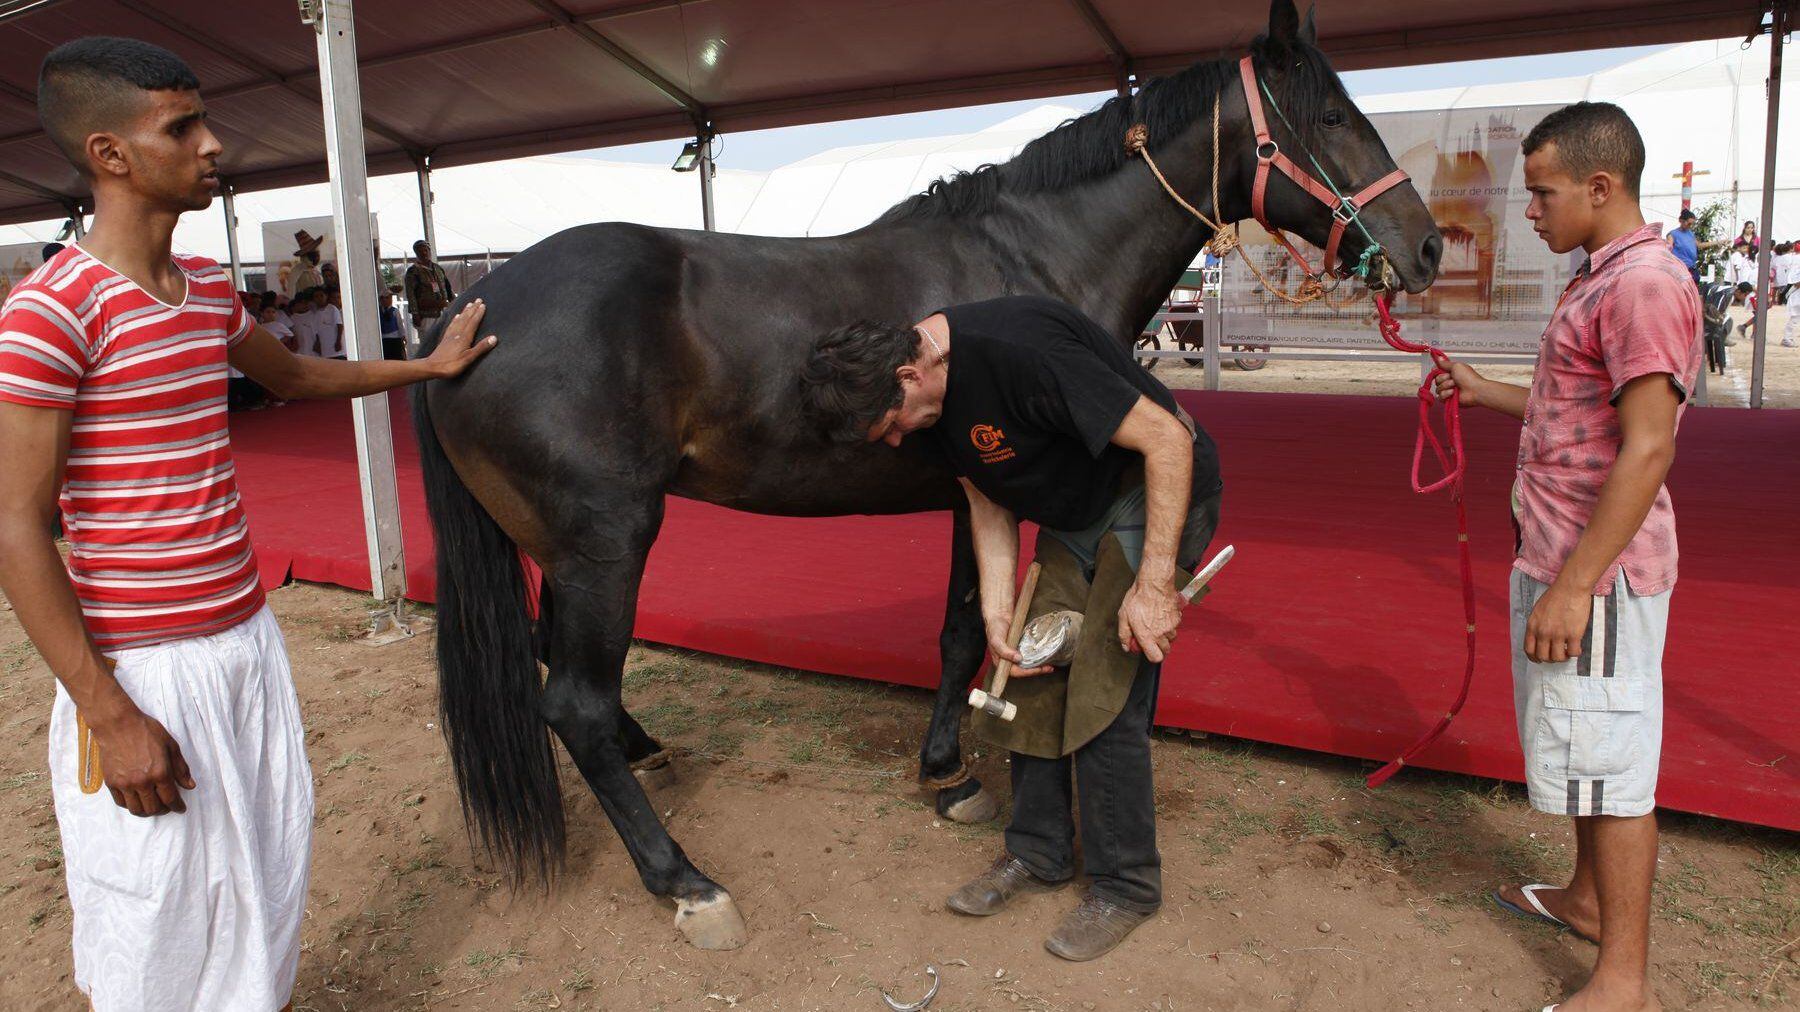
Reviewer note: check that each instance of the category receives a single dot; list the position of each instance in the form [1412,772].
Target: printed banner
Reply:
[1498,281]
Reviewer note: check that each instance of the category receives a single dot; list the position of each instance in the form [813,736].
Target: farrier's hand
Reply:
[998,626]
[1559,621]
[1461,380]
[142,764]
[1148,618]
[457,349]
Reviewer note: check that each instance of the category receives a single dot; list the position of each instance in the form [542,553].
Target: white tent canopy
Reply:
[1701,102]
[845,188]
[497,206]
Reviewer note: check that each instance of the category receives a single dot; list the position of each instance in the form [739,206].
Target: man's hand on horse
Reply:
[1148,619]
[457,349]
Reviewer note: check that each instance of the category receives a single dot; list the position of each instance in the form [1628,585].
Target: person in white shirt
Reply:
[1739,267]
[328,325]
[1784,265]
[271,322]
[301,323]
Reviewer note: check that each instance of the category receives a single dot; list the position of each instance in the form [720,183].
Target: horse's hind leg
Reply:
[961,646]
[637,743]
[596,600]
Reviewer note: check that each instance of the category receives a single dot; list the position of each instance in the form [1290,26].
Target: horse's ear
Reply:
[1284,23]
[1309,32]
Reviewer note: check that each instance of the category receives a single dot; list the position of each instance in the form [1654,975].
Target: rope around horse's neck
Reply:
[1224,238]
[1452,460]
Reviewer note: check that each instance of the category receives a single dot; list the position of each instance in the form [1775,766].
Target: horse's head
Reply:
[1315,128]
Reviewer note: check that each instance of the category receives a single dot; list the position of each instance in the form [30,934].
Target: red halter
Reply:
[1268,153]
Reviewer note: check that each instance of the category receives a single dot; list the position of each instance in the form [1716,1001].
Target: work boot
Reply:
[1092,930]
[990,891]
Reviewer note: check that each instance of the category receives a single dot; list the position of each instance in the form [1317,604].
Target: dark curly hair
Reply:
[849,381]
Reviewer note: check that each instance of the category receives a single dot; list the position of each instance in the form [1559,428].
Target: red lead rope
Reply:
[1453,480]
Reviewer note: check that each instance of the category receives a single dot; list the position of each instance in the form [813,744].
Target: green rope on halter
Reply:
[1355,215]
[1365,263]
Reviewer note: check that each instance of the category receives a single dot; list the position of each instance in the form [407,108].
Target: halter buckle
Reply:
[1270,147]
[1346,211]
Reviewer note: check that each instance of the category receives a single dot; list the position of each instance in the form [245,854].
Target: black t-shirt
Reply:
[1036,391]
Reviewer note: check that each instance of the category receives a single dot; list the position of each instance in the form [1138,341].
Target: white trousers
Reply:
[197,911]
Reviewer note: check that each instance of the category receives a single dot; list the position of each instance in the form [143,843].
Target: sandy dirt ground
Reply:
[1288,885]
[1781,382]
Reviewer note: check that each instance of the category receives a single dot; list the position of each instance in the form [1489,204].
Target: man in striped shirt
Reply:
[187,875]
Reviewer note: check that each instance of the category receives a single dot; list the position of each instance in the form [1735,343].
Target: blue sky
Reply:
[762,150]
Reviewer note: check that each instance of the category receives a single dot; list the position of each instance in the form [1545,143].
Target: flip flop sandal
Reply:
[1536,912]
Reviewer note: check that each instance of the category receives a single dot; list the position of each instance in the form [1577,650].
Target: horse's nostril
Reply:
[1432,251]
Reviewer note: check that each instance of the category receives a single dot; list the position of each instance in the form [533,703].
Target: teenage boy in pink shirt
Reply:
[1596,535]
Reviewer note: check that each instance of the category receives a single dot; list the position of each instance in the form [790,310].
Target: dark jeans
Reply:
[1118,804]
[1118,809]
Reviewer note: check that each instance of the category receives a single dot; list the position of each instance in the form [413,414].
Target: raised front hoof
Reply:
[713,923]
[968,803]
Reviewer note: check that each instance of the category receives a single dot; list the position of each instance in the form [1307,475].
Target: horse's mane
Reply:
[1093,145]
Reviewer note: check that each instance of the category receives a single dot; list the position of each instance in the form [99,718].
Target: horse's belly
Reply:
[865,480]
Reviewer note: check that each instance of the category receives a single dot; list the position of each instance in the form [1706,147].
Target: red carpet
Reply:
[1338,627]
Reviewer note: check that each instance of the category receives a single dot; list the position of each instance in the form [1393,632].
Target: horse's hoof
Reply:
[656,778]
[978,807]
[712,923]
[654,761]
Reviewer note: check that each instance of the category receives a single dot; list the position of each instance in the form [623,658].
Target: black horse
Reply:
[638,363]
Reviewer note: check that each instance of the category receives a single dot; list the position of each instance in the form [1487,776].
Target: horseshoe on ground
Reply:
[922,1003]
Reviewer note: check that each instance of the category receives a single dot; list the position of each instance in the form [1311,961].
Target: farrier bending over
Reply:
[1044,416]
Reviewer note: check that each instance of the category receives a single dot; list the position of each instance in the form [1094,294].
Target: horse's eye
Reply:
[1335,118]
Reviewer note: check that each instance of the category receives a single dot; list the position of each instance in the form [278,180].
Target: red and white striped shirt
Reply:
[160,546]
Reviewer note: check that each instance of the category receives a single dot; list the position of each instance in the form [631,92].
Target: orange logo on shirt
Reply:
[987,440]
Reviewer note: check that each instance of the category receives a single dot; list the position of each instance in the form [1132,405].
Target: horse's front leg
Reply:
[961,646]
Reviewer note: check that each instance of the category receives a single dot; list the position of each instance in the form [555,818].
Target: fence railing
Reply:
[1179,320]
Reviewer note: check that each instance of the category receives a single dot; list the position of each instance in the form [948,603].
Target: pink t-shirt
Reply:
[1632,310]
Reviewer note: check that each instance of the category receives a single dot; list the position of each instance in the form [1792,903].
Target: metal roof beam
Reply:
[587,33]
[19,95]
[1115,49]
[38,188]
[269,75]
[19,8]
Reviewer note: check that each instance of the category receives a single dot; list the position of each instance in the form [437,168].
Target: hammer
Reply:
[992,703]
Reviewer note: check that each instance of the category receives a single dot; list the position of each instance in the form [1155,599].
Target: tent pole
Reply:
[1781,21]
[341,90]
[231,243]
[426,214]
[704,137]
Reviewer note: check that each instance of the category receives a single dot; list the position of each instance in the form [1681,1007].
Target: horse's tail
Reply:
[488,682]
